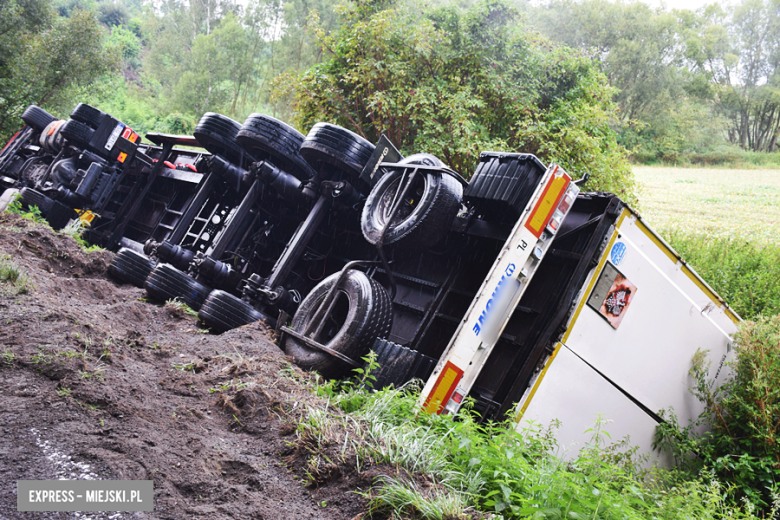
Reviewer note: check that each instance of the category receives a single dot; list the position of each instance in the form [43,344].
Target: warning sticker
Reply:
[612,295]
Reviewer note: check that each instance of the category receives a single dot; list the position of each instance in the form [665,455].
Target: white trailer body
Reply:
[630,373]
[629,327]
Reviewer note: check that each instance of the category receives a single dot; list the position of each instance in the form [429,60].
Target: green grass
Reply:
[12,278]
[447,468]
[744,273]
[722,203]
[725,224]
[75,229]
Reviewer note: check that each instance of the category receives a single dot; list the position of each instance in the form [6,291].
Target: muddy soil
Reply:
[96,382]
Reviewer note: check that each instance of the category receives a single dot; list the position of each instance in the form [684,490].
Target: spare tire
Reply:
[131,266]
[425,214]
[222,311]
[166,283]
[88,115]
[37,118]
[328,144]
[217,134]
[264,136]
[363,312]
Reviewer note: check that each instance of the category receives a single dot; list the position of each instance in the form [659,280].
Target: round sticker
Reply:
[618,253]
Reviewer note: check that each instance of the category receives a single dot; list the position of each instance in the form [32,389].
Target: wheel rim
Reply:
[336,320]
[409,206]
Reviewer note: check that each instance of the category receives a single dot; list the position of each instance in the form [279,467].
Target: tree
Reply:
[752,103]
[45,57]
[454,83]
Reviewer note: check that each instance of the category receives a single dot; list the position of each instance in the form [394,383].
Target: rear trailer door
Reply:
[636,323]
[480,331]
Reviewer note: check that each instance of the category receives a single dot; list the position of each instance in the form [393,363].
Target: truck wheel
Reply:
[7,198]
[59,215]
[264,136]
[395,362]
[166,283]
[426,213]
[222,312]
[31,197]
[217,134]
[37,118]
[333,145]
[131,266]
[76,132]
[88,115]
[362,313]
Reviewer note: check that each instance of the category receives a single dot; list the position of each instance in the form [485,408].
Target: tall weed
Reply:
[745,274]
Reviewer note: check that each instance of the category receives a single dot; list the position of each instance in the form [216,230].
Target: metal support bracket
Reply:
[310,342]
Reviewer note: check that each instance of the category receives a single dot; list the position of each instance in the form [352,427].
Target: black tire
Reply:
[425,215]
[222,312]
[217,134]
[76,132]
[59,215]
[363,313]
[31,197]
[88,115]
[37,118]
[165,282]
[264,136]
[395,363]
[398,364]
[333,145]
[131,267]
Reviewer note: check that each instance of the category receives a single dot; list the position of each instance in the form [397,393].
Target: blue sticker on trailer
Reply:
[618,253]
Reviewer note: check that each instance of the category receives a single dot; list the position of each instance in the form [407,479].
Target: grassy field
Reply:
[737,204]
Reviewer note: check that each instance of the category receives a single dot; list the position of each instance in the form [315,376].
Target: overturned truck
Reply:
[537,300]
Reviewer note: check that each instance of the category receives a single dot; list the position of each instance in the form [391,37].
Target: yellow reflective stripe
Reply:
[538,382]
[603,260]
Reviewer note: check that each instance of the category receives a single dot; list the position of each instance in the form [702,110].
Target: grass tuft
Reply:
[13,277]
[75,229]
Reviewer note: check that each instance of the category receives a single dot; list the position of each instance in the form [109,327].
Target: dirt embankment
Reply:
[97,383]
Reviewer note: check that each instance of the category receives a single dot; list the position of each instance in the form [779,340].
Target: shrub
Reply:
[455,83]
[744,417]
[446,467]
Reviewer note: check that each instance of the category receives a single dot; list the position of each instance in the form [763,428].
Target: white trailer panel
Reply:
[576,395]
[668,319]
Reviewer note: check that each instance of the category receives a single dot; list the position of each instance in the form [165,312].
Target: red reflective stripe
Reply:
[9,142]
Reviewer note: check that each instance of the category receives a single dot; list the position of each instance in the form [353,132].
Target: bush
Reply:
[455,83]
[743,446]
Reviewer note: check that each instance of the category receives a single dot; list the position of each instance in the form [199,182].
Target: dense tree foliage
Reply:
[688,85]
[688,82]
[454,83]
[44,57]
